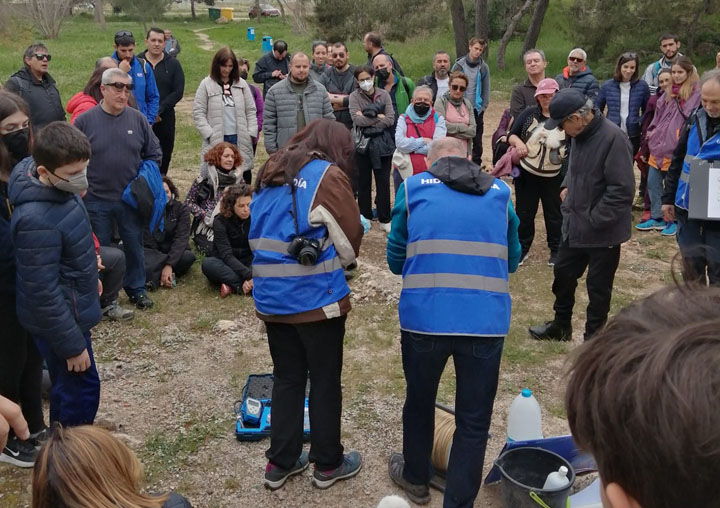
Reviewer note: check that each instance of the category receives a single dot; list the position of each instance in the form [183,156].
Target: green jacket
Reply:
[403,90]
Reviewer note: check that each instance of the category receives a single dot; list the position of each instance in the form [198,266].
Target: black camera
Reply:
[305,250]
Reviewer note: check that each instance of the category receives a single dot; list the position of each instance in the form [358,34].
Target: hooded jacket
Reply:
[57,274]
[583,81]
[666,127]
[42,97]
[478,74]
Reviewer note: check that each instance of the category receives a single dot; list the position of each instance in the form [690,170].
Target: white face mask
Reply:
[366,85]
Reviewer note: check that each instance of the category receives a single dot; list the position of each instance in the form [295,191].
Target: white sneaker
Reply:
[386,226]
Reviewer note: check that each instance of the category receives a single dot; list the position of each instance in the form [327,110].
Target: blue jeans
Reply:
[74,396]
[656,179]
[699,243]
[231,139]
[130,226]
[477,366]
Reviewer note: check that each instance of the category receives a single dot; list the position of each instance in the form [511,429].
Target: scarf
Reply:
[410,112]
[218,179]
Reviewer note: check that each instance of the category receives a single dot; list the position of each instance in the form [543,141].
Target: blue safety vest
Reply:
[281,284]
[455,277]
[696,149]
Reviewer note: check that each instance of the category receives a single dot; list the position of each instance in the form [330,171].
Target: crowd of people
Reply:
[90,210]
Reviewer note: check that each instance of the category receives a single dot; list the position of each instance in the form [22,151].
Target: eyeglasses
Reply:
[42,56]
[121,86]
[576,59]
[338,55]
[460,88]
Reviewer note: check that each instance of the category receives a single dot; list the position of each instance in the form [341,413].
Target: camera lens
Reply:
[308,255]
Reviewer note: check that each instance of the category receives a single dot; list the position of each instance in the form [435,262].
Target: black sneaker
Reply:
[352,463]
[18,453]
[38,439]
[523,258]
[553,258]
[551,330]
[141,301]
[275,477]
[418,494]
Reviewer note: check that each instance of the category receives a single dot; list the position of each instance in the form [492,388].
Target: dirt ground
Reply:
[171,376]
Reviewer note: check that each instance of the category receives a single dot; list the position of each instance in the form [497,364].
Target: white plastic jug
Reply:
[556,479]
[525,418]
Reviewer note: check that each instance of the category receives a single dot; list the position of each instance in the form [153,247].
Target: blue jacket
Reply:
[57,288]
[146,90]
[147,195]
[610,95]
[698,148]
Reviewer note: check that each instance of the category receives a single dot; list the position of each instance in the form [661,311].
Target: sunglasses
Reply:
[576,59]
[123,33]
[121,86]
[42,56]
[460,88]
[629,55]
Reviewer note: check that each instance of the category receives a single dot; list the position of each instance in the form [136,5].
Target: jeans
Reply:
[130,226]
[74,396]
[165,132]
[218,273]
[570,265]
[656,179]
[477,366]
[299,350]
[382,187]
[529,191]
[231,139]
[477,149]
[699,243]
[112,275]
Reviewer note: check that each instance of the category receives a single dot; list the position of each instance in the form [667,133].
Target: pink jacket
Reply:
[665,128]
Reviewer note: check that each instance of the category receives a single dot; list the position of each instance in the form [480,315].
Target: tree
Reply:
[48,15]
[533,32]
[482,20]
[143,9]
[99,13]
[457,12]
[509,33]
[193,14]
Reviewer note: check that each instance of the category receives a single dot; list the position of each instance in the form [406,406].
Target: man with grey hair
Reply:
[439,80]
[699,239]
[454,239]
[597,198]
[578,75]
[523,95]
[121,139]
[34,84]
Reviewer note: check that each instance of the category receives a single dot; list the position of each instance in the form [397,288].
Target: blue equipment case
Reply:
[252,412]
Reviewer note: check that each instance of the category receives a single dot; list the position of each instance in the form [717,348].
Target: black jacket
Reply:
[430,81]
[342,83]
[170,81]
[601,186]
[231,244]
[265,67]
[7,251]
[396,65]
[174,238]
[42,97]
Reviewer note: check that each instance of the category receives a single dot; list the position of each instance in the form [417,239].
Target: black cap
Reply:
[566,102]
[124,38]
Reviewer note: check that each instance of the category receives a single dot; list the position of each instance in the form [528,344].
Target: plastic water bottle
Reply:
[525,418]
[557,479]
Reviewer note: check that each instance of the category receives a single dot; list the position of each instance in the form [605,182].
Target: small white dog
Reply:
[393,502]
[551,139]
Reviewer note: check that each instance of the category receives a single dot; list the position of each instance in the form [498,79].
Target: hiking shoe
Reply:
[141,301]
[418,494]
[18,453]
[114,312]
[651,225]
[351,465]
[523,259]
[551,330]
[38,438]
[553,259]
[386,226]
[275,476]
[670,229]
[225,291]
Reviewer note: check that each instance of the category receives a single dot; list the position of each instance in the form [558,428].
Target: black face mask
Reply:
[382,74]
[243,74]
[421,109]
[18,144]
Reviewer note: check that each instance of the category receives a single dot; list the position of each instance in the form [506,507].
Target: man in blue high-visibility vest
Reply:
[454,239]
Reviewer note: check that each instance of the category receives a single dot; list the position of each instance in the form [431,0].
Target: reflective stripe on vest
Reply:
[282,285]
[709,150]
[455,276]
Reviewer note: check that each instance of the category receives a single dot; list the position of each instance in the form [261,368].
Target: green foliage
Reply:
[144,9]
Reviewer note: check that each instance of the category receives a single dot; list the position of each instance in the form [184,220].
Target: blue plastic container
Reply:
[267,44]
[251,33]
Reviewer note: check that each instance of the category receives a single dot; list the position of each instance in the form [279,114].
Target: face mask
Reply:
[383,74]
[243,74]
[421,109]
[18,144]
[76,184]
[366,85]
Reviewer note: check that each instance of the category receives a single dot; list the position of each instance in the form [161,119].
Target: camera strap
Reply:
[294,214]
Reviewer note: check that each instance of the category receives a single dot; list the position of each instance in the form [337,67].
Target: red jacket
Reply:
[79,104]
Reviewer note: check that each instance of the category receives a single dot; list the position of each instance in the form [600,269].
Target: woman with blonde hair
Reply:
[86,467]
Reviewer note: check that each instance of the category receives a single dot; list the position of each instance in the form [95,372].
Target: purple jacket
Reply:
[668,122]
[259,105]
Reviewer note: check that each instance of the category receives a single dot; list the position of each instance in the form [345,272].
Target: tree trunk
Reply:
[282,10]
[192,9]
[258,10]
[533,33]
[99,13]
[458,21]
[482,24]
[509,33]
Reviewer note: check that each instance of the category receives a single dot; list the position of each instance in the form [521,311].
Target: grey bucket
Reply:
[524,471]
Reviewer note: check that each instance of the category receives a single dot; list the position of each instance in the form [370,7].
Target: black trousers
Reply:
[529,191]
[382,187]
[20,366]
[477,149]
[218,273]
[571,263]
[165,132]
[298,350]
[156,260]
[112,275]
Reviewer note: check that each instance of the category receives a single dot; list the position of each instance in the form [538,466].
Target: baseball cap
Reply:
[546,86]
[124,38]
[566,102]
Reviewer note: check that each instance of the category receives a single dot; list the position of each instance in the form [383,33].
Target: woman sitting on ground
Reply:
[458,110]
[167,252]
[86,467]
[219,170]
[230,263]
